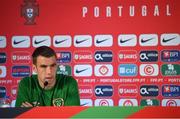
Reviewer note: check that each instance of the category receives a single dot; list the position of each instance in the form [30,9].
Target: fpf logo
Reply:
[63,57]
[170,55]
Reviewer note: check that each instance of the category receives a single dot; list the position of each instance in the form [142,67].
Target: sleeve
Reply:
[72,98]
[22,94]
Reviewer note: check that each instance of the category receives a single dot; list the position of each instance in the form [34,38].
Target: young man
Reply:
[47,88]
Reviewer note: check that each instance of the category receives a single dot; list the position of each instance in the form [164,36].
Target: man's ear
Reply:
[34,68]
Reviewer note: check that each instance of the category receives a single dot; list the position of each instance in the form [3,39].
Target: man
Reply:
[47,88]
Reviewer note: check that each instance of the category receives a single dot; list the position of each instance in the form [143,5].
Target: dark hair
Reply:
[42,51]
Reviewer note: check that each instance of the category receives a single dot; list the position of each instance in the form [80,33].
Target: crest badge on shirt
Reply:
[58,102]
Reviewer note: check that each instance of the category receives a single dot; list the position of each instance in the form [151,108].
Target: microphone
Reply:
[42,91]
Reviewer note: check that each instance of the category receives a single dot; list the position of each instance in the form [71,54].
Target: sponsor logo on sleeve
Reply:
[103,91]
[127,70]
[128,102]
[171,90]
[103,70]
[128,40]
[82,41]
[2,71]
[149,90]
[127,56]
[149,70]
[83,70]
[103,56]
[86,102]
[62,41]
[20,71]
[63,57]
[148,56]
[103,40]
[148,40]
[170,69]
[2,57]
[104,102]
[171,102]
[170,55]
[41,41]
[170,39]
[21,41]
[2,41]
[149,102]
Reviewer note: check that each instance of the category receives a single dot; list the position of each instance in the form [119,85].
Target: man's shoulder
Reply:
[27,80]
[66,78]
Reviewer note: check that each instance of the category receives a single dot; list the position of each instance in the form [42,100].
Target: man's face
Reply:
[46,70]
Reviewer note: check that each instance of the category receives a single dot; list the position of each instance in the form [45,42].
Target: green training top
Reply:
[64,93]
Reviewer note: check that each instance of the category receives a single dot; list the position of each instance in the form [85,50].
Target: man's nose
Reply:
[48,70]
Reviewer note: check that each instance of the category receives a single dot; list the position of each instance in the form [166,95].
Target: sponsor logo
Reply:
[104,91]
[85,91]
[64,69]
[127,90]
[148,40]
[21,57]
[170,69]
[171,102]
[170,55]
[21,41]
[83,57]
[41,41]
[2,92]
[149,102]
[63,57]
[20,71]
[62,41]
[14,91]
[103,56]
[103,70]
[128,102]
[103,102]
[29,10]
[103,40]
[128,40]
[170,39]
[2,57]
[83,70]
[86,102]
[149,70]
[148,56]
[149,90]
[171,90]
[127,70]
[82,41]
[127,56]
[2,71]
[2,41]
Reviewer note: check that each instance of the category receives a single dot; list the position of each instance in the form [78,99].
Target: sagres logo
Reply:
[171,102]
[20,71]
[20,57]
[149,70]
[64,69]
[103,56]
[2,41]
[82,41]
[127,90]
[170,39]
[128,102]
[21,41]
[85,91]
[170,69]
[127,40]
[171,90]
[29,10]
[2,71]
[148,56]
[2,57]
[149,102]
[41,41]
[149,90]
[103,70]
[148,40]
[127,56]
[104,102]
[103,90]
[103,40]
[63,57]
[127,70]
[83,70]
[170,55]
[83,57]
[86,102]
[62,41]
[2,92]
